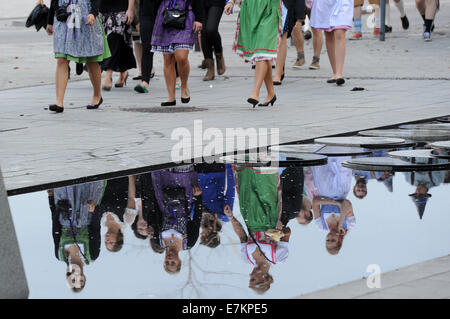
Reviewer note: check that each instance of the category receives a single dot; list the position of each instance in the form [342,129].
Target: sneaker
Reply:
[427,36]
[387,29]
[356,36]
[299,62]
[405,22]
[314,66]
[376,31]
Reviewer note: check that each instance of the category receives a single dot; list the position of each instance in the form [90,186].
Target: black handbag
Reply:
[174,17]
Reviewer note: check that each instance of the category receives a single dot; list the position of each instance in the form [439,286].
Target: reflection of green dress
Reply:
[259,197]
[258,30]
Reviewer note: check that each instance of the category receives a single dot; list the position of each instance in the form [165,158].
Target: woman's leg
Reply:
[268,81]
[260,74]
[95,75]
[107,82]
[339,40]
[281,59]
[170,75]
[138,54]
[317,42]
[181,56]
[147,23]
[329,42]
[62,77]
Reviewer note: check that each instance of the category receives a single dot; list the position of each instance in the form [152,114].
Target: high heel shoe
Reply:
[94,106]
[271,102]
[252,101]
[340,81]
[331,81]
[171,103]
[56,108]
[106,88]
[185,100]
[122,84]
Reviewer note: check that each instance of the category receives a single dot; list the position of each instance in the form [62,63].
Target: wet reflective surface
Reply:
[236,229]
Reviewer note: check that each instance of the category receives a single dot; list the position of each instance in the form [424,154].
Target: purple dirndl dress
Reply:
[168,40]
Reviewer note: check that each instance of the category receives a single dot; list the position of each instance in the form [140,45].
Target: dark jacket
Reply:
[93,230]
[292,180]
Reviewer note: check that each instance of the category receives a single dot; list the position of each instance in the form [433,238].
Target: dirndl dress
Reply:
[168,40]
[259,191]
[329,15]
[76,41]
[258,31]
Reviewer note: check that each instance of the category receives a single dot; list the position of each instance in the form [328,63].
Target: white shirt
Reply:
[277,253]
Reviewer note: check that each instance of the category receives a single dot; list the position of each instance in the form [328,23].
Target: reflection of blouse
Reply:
[333,180]
[326,211]
[277,252]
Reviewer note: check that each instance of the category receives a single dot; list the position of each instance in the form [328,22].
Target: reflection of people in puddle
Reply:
[217,184]
[424,181]
[76,228]
[179,199]
[363,177]
[295,201]
[259,194]
[332,211]
[120,207]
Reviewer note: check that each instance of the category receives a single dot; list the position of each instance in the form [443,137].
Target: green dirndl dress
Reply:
[258,30]
[259,196]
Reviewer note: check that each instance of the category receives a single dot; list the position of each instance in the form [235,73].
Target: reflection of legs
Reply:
[170,75]
[329,41]
[268,80]
[62,77]
[339,41]
[261,70]
[181,56]
[95,75]
[281,59]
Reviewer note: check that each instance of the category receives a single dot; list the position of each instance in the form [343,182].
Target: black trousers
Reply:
[146,30]
[211,40]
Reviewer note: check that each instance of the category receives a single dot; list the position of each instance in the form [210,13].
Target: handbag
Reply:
[174,17]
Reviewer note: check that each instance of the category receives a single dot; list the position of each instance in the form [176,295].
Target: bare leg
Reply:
[268,81]
[420,5]
[62,77]
[95,75]
[260,73]
[317,41]
[281,59]
[108,78]
[181,56]
[329,41]
[431,8]
[138,55]
[339,41]
[170,75]
[297,35]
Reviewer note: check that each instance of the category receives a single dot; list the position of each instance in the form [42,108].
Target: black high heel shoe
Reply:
[331,81]
[340,81]
[171,103]
[94,106]
[271,102]
[252,101]
[56,108]
[185,100]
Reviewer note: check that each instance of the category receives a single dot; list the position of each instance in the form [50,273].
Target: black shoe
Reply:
[79,68]
[172,103]
[340,81]
[276,82]
[185,100]
[271,102]
[152,75]
[331,81]
[252,101]
[282,76]
[56,108]
[405,22]
[137,78]
[387,29]
[94,106]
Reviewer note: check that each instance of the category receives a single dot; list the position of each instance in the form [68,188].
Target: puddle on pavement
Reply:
[335,222]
